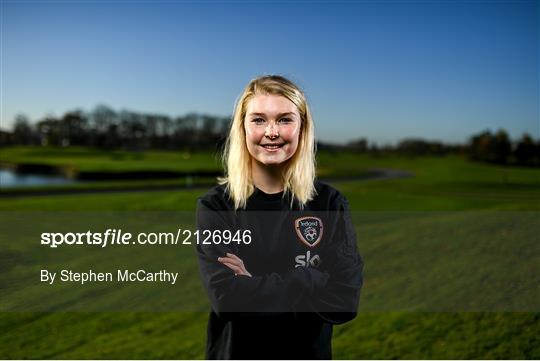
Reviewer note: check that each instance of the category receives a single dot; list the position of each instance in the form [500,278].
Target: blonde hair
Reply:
[298,175]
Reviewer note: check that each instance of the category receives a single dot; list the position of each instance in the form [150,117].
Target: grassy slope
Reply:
[441,184]
[88,159]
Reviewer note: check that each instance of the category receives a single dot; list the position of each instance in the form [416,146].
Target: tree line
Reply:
[498,148]
[486,146]
[105,128]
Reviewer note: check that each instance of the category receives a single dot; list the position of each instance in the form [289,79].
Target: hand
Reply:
[234,263]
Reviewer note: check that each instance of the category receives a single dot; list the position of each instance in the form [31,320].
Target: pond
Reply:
[11,179]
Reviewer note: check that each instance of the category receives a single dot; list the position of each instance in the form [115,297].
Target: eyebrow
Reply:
[279,115]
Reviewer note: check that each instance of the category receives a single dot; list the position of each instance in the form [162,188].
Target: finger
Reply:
[230,260]
[235,257]
[235,268]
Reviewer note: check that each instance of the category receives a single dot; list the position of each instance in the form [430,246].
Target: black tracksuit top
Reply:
[306,275]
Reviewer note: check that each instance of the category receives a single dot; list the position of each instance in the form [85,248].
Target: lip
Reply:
[274,146]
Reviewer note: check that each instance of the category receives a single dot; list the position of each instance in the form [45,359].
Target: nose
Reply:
[271,131]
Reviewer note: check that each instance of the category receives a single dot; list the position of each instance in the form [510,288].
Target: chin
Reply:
[273,161]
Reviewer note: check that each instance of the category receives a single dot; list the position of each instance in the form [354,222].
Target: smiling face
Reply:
[272,125]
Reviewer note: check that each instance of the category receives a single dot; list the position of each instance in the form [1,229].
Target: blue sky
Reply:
[388,70]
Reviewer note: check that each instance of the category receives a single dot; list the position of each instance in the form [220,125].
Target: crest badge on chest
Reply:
[309,230]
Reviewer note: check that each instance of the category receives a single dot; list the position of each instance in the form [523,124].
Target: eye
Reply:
[257,120]
[285,120]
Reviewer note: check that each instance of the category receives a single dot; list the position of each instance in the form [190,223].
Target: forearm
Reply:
[267,293]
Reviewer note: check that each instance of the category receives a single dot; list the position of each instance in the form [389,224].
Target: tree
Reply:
[22,131]
[480,146]
[50,131]
[359,145]
[502,147]
[525,150]
[102,117]
[104,127]
[74,126]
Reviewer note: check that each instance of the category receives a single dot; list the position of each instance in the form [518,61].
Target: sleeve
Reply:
[338,301]
[233,296]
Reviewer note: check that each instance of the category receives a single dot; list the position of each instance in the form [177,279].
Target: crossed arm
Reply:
[331,292]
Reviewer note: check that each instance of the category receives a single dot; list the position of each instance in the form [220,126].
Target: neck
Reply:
[266,178]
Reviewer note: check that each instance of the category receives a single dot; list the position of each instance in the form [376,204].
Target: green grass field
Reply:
[446,207]
[88,159]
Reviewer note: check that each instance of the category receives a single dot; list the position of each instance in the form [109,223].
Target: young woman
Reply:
[285,266]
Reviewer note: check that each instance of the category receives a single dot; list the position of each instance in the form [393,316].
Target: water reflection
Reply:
[12,179]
